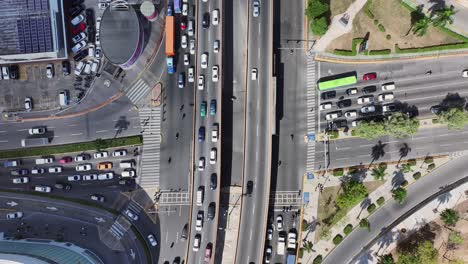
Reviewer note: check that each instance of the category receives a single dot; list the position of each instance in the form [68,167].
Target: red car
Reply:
[369,76]
[183,25]
[208,253]
[65,160]
[78,28]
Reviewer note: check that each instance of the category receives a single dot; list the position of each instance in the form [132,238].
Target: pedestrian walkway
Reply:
[111,237]
[283,198]
[311,129]
[138,91]
[174,198]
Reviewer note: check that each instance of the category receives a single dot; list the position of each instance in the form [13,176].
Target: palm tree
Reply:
[407,168]
[421,26]
[444,16]
[399,194]
[308,246]
[449,216]
[379,173]
[386,259]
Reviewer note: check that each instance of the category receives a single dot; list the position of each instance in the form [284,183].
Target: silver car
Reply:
[256,8]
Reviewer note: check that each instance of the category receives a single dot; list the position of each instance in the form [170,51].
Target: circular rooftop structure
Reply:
[121,34]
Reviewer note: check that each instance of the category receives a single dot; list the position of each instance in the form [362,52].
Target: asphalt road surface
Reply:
[417,192]
[258,138]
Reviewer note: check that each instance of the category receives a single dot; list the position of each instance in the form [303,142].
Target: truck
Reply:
[177,7]
[34,142]
[11,163]
[170,52]
[281,245]
[291,259]
[292,241]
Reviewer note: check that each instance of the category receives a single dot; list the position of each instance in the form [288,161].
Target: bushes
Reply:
[381,28]
[380,52]
[381,200]
[333,134]
[318,13]
[429,160]
[343,52]
[404,183]
[301,253]
[412,162]
[431,48]
[319,26]
[337,239]
[371,208]
[367,8]
[318,259]
[417,175]
[376,21]
[338,172]
[304,225]
[388,36]
[431,166]
[348,229]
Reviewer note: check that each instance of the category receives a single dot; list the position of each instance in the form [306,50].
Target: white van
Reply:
[126,164]
[63,98]
[128,173]
[44,161]
[388,86]
[87,68]
[190,28]
[200,195]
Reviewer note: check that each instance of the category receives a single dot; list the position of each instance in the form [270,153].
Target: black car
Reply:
[201,134]
[89,16]
[211,211]
[213,181]
[76,10]
[206,20]
[66,68]
[14,72]
[249,187]
[341,123]
[389,108]
[436,109]
[81,55]
[328,95]
[344,103]
[91,34]
[369,89]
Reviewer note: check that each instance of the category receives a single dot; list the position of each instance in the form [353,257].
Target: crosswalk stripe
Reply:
[151,147]
[311,91]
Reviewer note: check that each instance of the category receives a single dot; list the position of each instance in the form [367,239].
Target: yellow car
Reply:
[105,166]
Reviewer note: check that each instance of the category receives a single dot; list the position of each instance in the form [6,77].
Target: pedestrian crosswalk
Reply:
[134,207]
[284,198]
[174,198]
[138,91]
[311,112]
[119,228]
[150,119]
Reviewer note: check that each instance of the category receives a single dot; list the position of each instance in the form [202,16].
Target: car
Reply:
[213,107]
[79,46]
[20,180]
[206,20]
[63,186]
[355,123]
[325,106]
[214,133]
[98,53]
[91,34]
[201,82]
[216,46]
[78,19]
[208,252]
[389,108]
[388,86]
[128,182]
[204,60]
[215,19]
[368,109]
[98,23]
[80,67]
[344,103]
[66,68]
[250,188]
[103,6]
[203,109]
[50,71]
[183,24]
[352,91]
[15,215]
[192,46]
[256,8]
[333,115]
[328,95]
[268,254]
[365,99]
[82,157]
[436,109]
[65,160]
[181,80]
[119,153]
[19,172]
[191,77]
[106,176]
[350,113]
[42,188]
[89,16]
[76,10]
[74,178]
[90,177]
[79,37]
[385,97]
[5,73]
[196,242]
[55,169]
[201,134]
[98,198]
[78,29]
[14,72]
[37,130]
[183,41]
[100,155]
[213,156]
[152,240]
[84,167]
[105,165]
[185,9]
[369,76]
[465,74]
[95,66]
[91,50]
[253,74]
[214,73]
[183,233]
[78,57]
[269,234]
[128,173]
[131,215]
[28,105]
[199,221]
[213,181]
[369,89]
[37,171]
[201,164]
[279,223]
[186,59]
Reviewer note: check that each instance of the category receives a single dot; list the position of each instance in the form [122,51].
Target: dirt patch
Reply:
[397,23]
[339,6]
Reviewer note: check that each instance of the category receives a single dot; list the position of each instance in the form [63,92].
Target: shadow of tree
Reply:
[364,204]
[410,244]
[387,239]
[436,5]
[453,100]
[377,151]
[398,178]
[404,151]
[366,258]
[121,125]
[443,198]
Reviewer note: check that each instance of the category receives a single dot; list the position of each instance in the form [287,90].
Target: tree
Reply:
[455,239]
[455,118]
[400,125]
[386,259]
[424,253]
[444,15]
[319,26]
[353,193]
[370,130]
[450,217]
[421,26]
[378,173]
[316,8]
[399,194]
[308,246]
[406,168]
[364,223]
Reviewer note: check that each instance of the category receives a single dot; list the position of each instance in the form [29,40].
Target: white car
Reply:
[355,123]
[388,86]
[38,171]
[76,20]
[192,46]
[256,8]
[204,60]
[98,39]
[37,130]
[213,155]
[199,222]
[95,66]
[84,167]
[82,157]
[50,71]
[98,53]
[333,115]
[368,109]
[20,180]
[28,103]
[183,42]
[197,242]
[191,77]
[186,59]
[98,23]
[91,177]
[79,68]
[325,106]
[201,82]
[42,188]
[365,99]
[79,46]
[184,9]
[119,153]
[279,223]
[385,97]
[87,68]
[55,169]
[100,155]
[91,51]
[106,176]
[152,240]
[133,216]
[79,37]
[214,134]
[214,73]
[215,16]
[103,6]
[74,178]
[97,197]
[465,74]
[350,113]
[216,46]
[254,74]
[15,215]
[201,164]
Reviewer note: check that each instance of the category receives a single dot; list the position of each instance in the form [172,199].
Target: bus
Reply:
[335,83]
[177,6]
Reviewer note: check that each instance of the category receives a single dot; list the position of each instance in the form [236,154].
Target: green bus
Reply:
[331,84]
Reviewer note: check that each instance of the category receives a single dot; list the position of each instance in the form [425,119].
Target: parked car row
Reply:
[9,72]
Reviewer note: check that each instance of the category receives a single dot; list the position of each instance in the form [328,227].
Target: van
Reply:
[44,161]
[200,194]
[128,173]
[63,98]
[87,68]
[126,164]
[388,86]
[190,28]
[211,211]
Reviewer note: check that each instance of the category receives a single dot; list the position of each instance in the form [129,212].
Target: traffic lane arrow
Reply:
[12,204]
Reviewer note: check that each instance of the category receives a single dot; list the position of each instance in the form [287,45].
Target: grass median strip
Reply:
[74,147]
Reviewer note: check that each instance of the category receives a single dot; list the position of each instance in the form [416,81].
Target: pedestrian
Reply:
[183,115]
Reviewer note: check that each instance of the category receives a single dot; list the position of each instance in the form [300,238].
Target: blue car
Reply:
[201,134]
[213,107]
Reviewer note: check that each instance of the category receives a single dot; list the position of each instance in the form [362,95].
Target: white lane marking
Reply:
[3,141]
[251,233]
[2,131]
[24,129]
[446,145]
[77,134]
[56,136]
[342,159]
[367,155]
[50,127]
[101,131]
[72,125]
